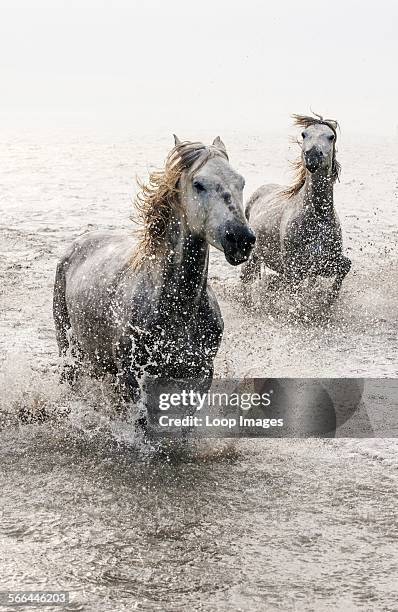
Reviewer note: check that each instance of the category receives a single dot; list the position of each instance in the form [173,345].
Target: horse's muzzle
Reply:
[237,241]
[313,160]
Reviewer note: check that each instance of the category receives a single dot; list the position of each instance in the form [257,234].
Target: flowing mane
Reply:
[305,121]
[158,199]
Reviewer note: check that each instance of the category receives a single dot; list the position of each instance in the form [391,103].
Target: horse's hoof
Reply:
[332,296]
[69,375]
[141,427]
[247,298]
[33,414]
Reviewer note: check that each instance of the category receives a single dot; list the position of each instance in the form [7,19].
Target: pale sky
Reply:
[209,64]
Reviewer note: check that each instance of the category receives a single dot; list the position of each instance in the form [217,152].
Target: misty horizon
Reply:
[210,67]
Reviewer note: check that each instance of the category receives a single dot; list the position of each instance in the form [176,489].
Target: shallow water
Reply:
[225,529]
[277,524]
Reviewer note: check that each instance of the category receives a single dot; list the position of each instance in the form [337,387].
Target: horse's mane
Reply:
[158,199]
[299,180]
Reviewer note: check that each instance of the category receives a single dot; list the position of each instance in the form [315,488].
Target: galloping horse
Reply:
[297,228]
[129,310]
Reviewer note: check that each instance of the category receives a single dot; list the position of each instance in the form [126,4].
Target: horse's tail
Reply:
[249,205]
[60,310]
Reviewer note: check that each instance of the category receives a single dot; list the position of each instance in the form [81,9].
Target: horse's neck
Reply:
[184,270]
[318,193]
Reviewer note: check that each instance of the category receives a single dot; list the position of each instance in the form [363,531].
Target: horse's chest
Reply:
[184,347]
[179,340]
[319,245]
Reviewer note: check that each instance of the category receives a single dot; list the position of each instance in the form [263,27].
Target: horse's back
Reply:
[264,209]
[106,252]
[259,199]
[90,272]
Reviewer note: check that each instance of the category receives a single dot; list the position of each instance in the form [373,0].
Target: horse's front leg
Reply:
[343,268]
[291,276]
[294,264]
[130,359]
[251,269]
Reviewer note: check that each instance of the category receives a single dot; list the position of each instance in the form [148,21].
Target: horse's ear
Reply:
[177,141]
[217,142]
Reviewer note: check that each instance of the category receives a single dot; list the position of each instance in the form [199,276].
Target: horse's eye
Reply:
[303,134]
[199,186]
[331,137]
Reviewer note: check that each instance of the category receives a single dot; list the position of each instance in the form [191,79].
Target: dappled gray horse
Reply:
[297,228]
[129,310]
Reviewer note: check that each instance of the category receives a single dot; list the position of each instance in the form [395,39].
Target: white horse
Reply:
[297,228]
[129,310]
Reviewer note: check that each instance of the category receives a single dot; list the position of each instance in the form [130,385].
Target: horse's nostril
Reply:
[313,159]
[230,236]
[237,240]
[314,153]
[251,238]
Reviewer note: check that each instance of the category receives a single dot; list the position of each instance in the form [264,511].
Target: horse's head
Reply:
[318,147]
[212,196]
[318,151]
